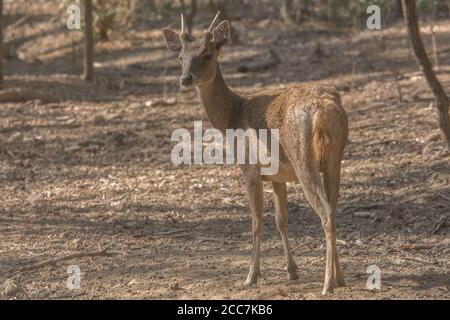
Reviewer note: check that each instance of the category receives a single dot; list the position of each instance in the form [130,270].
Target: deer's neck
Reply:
[219,101]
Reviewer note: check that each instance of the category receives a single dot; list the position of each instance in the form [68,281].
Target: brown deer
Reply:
[313,132]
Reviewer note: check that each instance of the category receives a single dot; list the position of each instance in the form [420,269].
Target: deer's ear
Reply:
[173,42]
[221,34]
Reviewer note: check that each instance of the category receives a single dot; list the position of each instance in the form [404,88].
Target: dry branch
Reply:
[438,226]
[53,261]
[285,12]
[442,101]
[88,41]
[433,37]
[68,295]
[1,43]
[444,196]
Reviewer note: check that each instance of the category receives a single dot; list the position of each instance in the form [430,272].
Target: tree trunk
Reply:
[1,43]
[189,14]
[442,101]
[285,12]
[395,11]
[448,7]
[333,12]
[88,42]
[306,7]
[433,36]
[357,10]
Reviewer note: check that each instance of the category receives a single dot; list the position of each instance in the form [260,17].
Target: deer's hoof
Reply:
[327,290]
[252,279]
[292,275]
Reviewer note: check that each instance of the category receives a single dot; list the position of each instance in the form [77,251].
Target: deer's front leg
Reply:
[255,195]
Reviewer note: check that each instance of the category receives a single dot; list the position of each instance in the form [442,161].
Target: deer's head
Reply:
[198,57]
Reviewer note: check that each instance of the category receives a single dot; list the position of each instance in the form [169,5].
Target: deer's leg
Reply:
[309,177]
[312,188]
[281,217]
[255,195]
[331,182]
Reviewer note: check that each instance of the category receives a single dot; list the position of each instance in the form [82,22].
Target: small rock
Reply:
[416,78]
[161,102]
[170,101]
[149,103]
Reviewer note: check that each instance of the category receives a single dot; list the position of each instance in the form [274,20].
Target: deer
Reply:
[313,131]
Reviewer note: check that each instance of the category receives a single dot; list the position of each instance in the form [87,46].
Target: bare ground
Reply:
[88,166]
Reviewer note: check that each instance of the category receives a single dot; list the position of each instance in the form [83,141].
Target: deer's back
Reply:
[314,113]
[300,105]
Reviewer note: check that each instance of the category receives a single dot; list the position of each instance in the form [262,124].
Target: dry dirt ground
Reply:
[88,166]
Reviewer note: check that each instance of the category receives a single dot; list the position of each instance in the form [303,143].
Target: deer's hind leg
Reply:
[331,182]
[307,171]
[281,217]
[309,179]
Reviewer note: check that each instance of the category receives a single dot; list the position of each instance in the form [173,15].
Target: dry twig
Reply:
[53,261]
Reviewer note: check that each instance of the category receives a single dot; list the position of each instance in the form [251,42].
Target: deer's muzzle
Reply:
[186,80]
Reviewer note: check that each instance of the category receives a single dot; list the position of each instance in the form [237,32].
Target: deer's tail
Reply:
[323,138]
[329,131]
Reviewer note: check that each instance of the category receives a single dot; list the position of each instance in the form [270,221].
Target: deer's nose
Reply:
[186,80]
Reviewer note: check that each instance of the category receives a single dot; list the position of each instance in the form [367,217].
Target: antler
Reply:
[214,21]
[183,34]
[182,24]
